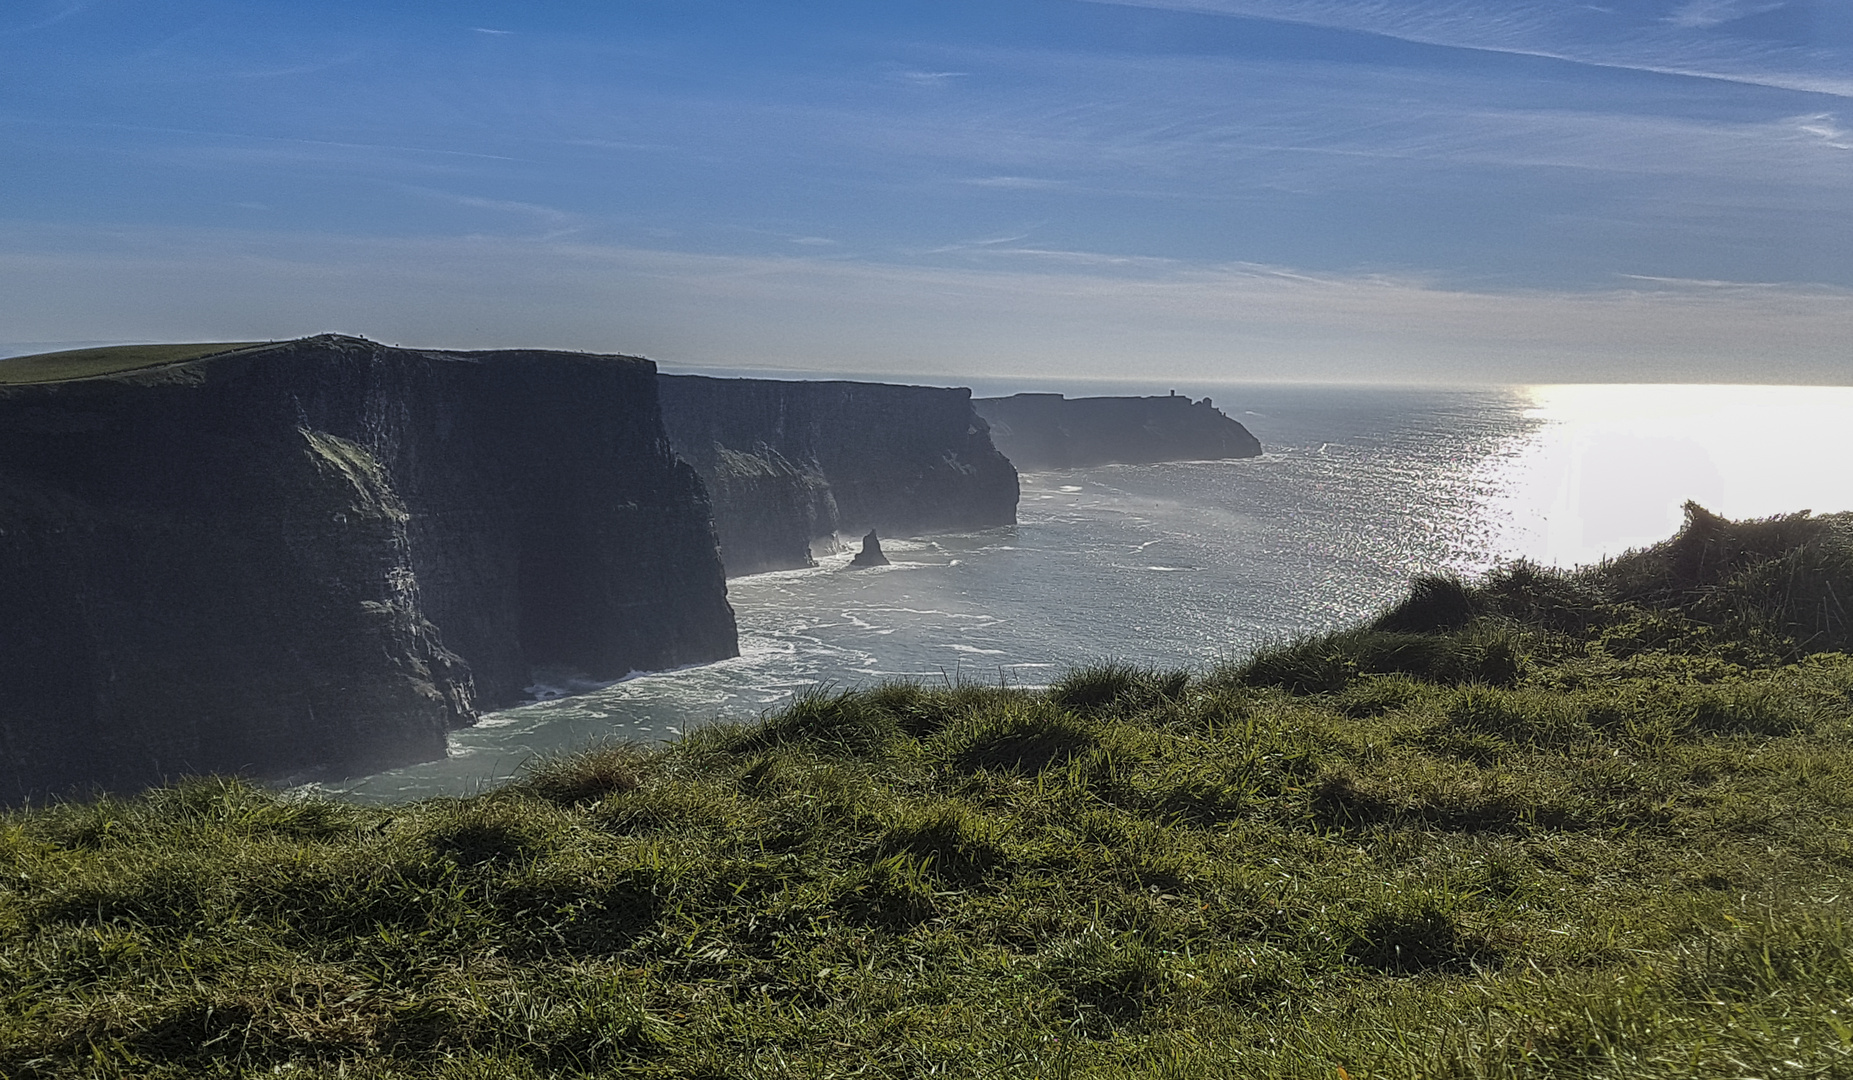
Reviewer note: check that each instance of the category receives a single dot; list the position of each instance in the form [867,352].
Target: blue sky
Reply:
[1244,189]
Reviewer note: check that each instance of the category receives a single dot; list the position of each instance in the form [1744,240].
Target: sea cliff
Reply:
[324,553]
[1049,431]
[792,464]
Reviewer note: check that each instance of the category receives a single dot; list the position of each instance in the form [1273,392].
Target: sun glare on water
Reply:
[1609,466]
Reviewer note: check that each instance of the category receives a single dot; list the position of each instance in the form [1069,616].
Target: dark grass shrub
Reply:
[845,721]
[211,803]
[1376,695]
[1708,550]
[1114,977]
[1748,709]
[584,777]
[483,831]
[1661,709]
[921,711]
[408,887]
[583,1026]
[1535,596]
[1312,665]
[1107,771]
[159,894]
[767,775]
[1521,717]
[1480,747]
[952,839]
[1762,957]
[1508,875]
[1203,801]
[1338,801]
[1256,978]
[1413,934]
[423,1025]
[1024,739]
[916,710]
[1649,631]
[894,890]
[86,826]
[195,1030]
[1435,602]
[1457,804]
[1117,688]
[584,909]
[1790,576]
[1329,663]
[676,808]
[244,810]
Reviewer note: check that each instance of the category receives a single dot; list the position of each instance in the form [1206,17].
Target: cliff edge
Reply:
[1049,431]
[792,463]
[324,553]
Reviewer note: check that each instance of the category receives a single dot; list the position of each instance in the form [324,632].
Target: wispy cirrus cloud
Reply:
[552,222]
[1690,38]
[927,78]
[40,15]
[1013,183]
[1705,14]
[1826,127]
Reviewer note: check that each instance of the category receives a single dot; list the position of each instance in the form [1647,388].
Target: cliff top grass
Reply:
[1596,824]
[108,360]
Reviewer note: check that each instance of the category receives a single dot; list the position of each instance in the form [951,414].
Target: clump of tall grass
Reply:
[1117,688]
[1328,663]
[584,777]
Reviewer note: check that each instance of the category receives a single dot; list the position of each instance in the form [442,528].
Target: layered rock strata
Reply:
[790,465]
[325,553]
[1049,431]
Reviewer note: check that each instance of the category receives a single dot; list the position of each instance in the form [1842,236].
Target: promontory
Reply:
[1049,431]
[326,552]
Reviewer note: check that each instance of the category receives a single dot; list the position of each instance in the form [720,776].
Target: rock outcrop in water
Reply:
[326,552]
[1049,431]
[871,553]
[790,464]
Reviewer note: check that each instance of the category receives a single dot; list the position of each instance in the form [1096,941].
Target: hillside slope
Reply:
[1578,825]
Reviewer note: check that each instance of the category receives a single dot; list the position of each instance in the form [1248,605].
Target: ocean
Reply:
[1192,564]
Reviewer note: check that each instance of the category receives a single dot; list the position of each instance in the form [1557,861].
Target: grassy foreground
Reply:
[1597,824]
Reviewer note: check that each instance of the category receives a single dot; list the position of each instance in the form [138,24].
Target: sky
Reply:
[1441,191]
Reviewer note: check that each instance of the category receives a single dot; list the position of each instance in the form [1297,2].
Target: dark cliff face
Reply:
[325,553]
[788,463]
[1049,431]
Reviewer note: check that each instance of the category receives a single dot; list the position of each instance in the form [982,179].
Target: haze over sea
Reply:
[1188,564]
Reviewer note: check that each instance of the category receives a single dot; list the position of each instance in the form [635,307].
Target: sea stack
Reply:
[790,466]
[870,555]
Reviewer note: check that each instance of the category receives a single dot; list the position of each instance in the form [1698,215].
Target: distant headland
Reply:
[1049,431]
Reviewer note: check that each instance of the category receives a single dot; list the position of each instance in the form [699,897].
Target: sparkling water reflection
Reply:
[1608,467]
